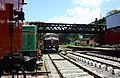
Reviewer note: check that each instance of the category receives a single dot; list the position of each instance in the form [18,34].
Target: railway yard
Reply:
[36,49]
[81,64]
[71,63]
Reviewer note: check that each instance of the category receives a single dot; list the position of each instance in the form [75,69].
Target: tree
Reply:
[112,12]
[67,38]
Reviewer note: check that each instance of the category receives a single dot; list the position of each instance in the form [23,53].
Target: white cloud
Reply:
[83,13]
[77,15]
[58,19]
[118,8]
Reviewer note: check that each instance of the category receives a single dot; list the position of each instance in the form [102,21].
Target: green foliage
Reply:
[103,20]
[95,37]
[67,38]
[72,39]
[112,12]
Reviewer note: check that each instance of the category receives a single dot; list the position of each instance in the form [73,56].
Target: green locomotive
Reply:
[29,40]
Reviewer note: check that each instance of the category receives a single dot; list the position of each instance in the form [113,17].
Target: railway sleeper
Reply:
[108,69]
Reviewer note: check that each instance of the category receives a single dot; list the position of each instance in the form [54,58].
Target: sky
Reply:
[68,11]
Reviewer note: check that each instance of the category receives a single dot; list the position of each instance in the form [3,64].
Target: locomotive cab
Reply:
[51,43]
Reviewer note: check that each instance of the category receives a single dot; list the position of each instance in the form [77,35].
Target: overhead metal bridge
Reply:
[68,28]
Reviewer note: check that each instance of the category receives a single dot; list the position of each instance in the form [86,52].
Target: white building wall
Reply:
[113,20]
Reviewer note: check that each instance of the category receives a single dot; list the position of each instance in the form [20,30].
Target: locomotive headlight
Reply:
[53,49]
[53,46]
[49,46]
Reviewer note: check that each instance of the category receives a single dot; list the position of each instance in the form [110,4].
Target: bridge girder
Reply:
[69,28]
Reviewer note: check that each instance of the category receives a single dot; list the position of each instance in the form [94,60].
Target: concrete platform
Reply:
[103,51]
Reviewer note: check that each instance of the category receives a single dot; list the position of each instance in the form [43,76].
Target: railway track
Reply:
[108,68]
[116,59]
[62,66]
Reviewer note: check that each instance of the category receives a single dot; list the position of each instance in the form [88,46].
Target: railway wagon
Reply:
[11,20]
[51,42]
[10,26]
[29,40]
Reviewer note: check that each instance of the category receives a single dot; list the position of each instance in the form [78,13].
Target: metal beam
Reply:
[68,28]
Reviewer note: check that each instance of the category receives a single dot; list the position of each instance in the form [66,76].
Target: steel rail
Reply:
[30,73]
[59,73]
[85,69]
[103,57]
[98,61]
